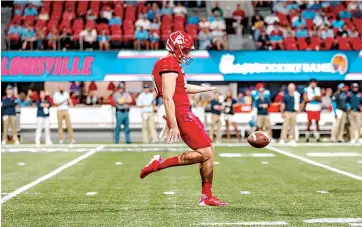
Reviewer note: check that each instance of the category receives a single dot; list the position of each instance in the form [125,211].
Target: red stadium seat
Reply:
[356,43]
[328,43]
[130,13]
[302,44]
[102,26]
[118,11]
[13,37]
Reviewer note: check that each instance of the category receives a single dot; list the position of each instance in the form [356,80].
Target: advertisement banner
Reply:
[34,66]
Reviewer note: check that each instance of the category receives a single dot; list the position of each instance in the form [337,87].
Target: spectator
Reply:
[89,37]
[204,23]
[271,19]
[52,39]
[216,108]
[217,9]
[74,99]
[142,23]
[28,36]
[43,106]
[92,86]
[240,99]
[340,107]
[229,105]
[257,25]
[167,10]
[18,11]
[355,102]
[314,32]
[213,17]
[289,109]
[335,45]
[343,32]
[262,119]
[248,100]
[65,39]
[281,7]
[91,98]
[141,39]
[353,33]
[40,37]
[49,98]
[337,23]
[73,87]
[115,20]
[102,20]
[9,115]
[146,101]
[345,14]
[15,29]
[308,14]
[24,100]
[30,10]
[69,14]
[288,32]
[299,23]
[154,39]
[103,40]
[320,21]
[263,42]
[326,100]
[43,15]
[218,24]
[194,19]
[280,96]
[205,38]
[219,39]
[302,32]
[156,24]
[326,32]
[153,12]
[62,102]
[91,15]
[122,100]
[106,13]
[179,9]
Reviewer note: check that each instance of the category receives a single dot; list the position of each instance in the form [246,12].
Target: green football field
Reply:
[99,185]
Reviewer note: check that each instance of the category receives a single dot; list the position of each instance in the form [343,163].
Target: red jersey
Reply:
[170,64]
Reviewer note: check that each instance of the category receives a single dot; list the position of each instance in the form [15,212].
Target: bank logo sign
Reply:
[338,64]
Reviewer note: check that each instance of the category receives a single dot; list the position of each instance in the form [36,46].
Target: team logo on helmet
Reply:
[339,64]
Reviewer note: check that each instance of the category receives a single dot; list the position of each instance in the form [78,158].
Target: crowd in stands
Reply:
[313,25]
[59,25]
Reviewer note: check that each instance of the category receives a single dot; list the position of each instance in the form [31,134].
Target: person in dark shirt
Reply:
[216,108]
[9,115]
[43,106]
[263,42]
[340,107]
[354,99]
[229,104]
[262,119]
[289,109]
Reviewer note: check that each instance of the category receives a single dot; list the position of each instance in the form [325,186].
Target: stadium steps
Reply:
[6,15]
[244,42]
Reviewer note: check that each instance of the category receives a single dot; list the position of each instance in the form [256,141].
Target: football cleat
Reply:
[213,201]
[151,167]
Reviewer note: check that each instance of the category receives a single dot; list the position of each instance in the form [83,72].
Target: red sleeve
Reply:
[168,65]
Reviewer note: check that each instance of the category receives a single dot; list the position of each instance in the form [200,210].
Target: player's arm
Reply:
[194,89]
[168,91]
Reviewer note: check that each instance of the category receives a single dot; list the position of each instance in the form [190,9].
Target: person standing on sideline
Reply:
[62,102]
[146,101]
[340,107]
[262,118]
[43,106]
[229,104]
[312,101]
[289,108]
[216,108]
[355,101]
[9,115]
[122,99]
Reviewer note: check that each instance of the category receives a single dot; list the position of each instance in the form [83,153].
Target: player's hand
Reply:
[173,135]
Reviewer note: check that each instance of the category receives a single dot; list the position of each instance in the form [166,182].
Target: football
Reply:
[259,139]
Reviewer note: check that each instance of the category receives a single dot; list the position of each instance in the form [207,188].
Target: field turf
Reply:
[262,187]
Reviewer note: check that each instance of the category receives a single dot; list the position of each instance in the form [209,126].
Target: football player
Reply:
[170,82]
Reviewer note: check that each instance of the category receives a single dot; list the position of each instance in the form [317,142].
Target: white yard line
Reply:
[50,175]
[351,175]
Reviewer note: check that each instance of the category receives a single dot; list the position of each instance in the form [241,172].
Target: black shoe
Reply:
[307,140]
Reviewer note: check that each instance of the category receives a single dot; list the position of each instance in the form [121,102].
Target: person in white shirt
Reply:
[146,101]
[204,23]
[218,24]
[107,13]
[143,22]
[179,9]
[61,101]
[89,37]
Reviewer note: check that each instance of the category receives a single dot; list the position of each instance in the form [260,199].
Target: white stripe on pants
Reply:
[39,128]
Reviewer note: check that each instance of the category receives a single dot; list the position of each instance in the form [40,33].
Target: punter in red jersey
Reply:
[171,84]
